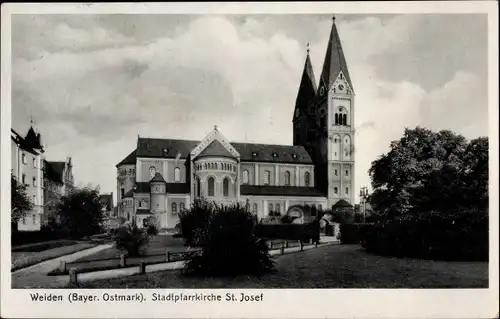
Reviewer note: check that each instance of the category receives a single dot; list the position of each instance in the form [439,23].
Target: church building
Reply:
[162,177]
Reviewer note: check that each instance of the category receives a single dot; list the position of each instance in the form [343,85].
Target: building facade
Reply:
[161,177]
[58,181]
[27,156]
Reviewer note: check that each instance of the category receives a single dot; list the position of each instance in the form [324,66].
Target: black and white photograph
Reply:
[246,151]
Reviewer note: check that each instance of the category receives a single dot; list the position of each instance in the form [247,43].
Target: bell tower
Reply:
[336,86]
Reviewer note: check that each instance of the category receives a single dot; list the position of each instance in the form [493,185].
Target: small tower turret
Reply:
[158,194]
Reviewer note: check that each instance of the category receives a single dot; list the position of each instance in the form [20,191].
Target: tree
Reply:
[428,170]
[81,213]
[20,202]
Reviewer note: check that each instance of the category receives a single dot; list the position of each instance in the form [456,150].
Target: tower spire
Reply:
[334,62]
[307,88]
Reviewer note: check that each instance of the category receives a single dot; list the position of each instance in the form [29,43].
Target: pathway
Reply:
[36,276]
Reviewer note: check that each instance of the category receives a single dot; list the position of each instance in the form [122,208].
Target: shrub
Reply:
[230,247]
[456,235]
[152,226]
[131,239]
[350,233]
[193,221]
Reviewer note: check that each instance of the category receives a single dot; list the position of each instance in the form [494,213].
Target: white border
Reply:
[292,303]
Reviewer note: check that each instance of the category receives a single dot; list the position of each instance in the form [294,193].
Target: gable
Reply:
[215,149]
[207,141]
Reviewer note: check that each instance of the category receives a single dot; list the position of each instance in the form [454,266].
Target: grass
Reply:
[337,266]
[25,259]
[38,247]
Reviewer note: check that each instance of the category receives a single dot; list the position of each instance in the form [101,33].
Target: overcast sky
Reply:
[94,82]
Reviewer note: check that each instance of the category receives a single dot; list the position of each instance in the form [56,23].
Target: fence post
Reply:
[167,255]
[301,246]
[72,276]
[282,249]
[123,262]
[142,267]
[310,241]
[62,266]
[271,245]
[286,244]
[317,243]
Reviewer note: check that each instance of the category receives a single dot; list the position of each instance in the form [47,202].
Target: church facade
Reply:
[162,177]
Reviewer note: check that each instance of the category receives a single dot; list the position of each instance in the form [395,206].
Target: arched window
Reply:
[336,147]
[278,208]
[181,207]
[346,172]
[225,187]
[344,119]
[198,187]
[152,172]
[174,208]
[320,207]
[336,172]
[307,179]
[335,190]
[347,190]
[254,208]
[287,178]
[270,208]
[336,119]
[211,186]
[204,165]
[177,174]
[245,177]
[267,178]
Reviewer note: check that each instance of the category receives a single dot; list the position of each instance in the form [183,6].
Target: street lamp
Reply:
[363,194]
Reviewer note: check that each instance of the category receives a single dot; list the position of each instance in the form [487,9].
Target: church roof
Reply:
[32,139]
[215,149]
[19,140]
[130,159]
[249,152]
[280,191]
[158,178]
[334,61]
[54,171]
[307,88]
[342,204]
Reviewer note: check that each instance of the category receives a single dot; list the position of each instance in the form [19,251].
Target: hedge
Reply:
[303,232]
[461,235]
[29,237]
[350,233]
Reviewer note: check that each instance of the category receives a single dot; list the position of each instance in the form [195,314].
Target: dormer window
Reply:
[254,154]
[275,154]
[165,151]
[294,155]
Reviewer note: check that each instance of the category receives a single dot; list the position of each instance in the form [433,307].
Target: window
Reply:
[344,119]
[335,190]
[245,177]
[122,192]
[34,219]
[320,207]
[152,172]
[211,186]
[225,187]
[177,174]
[287,178]
[270,208]
[198,187]
[254,208]
[174,208]
[307,179]
[23,180]
[34,199]
[267,178]
[24,159]
[34,162]
[347,190]
[34,181]
[346,172]
[181,207]
[336,172]
[278,208]
[24,220]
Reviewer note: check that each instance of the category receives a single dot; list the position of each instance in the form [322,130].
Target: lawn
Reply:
[109,258]
[23,259]
[337,266]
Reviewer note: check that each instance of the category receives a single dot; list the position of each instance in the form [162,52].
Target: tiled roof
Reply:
[158,179]
[130,159]
[307,88]
[215,149]
[342,203]
[167,148]
[334,61]
[172,188]
[54,171]
[280,191]
[18,139]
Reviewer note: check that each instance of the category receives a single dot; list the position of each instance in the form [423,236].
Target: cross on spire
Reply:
[333,18]
[215,127]
[307,48]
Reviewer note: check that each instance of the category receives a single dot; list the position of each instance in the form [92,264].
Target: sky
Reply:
[93,83]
